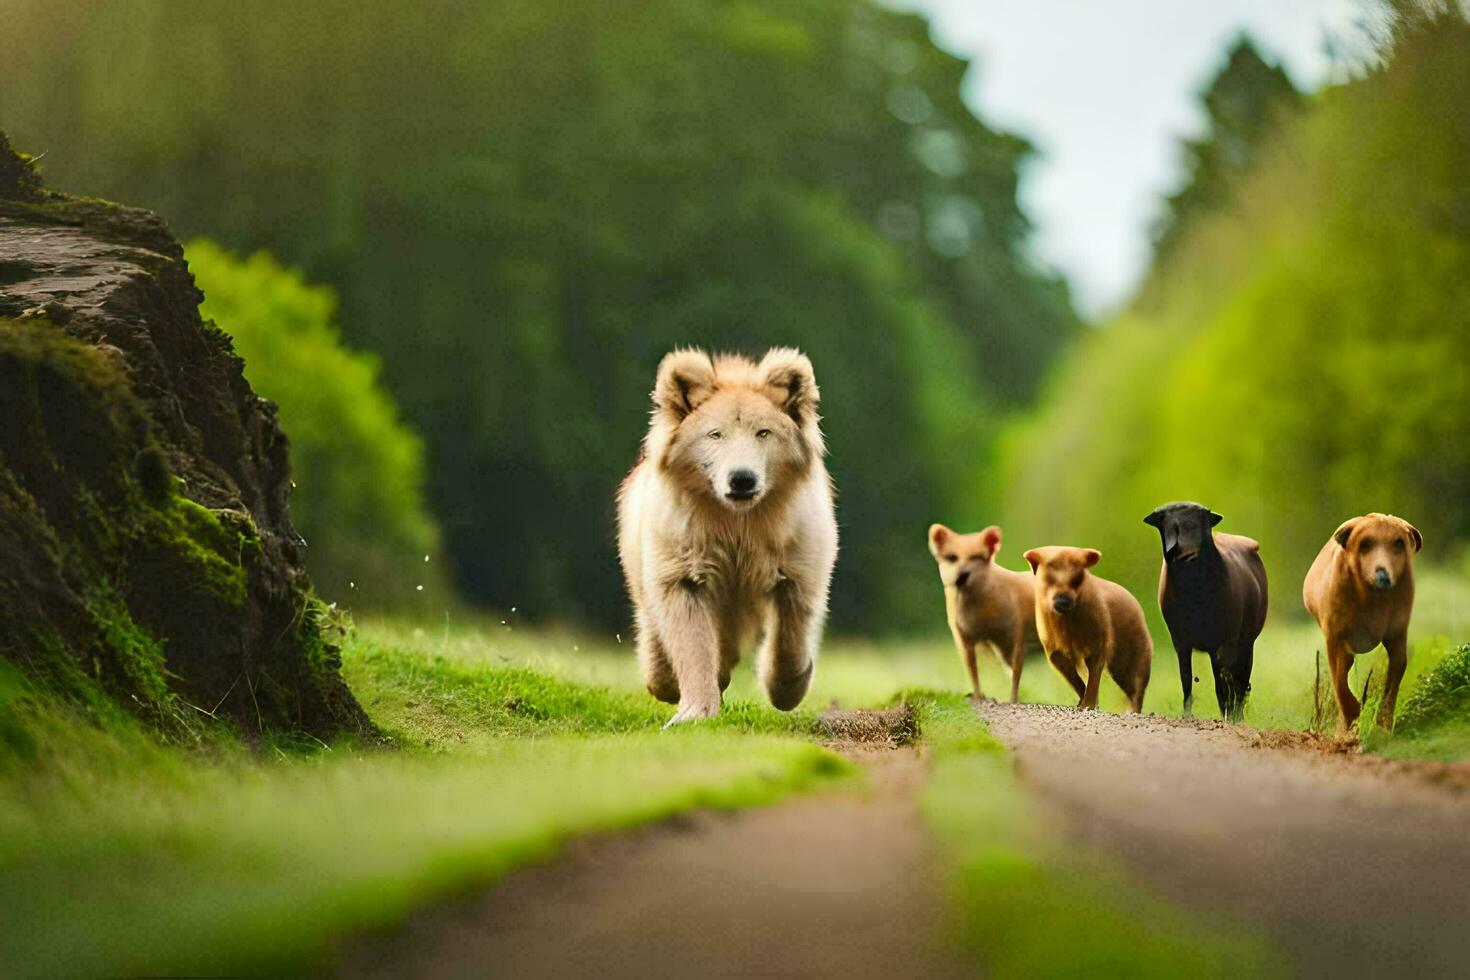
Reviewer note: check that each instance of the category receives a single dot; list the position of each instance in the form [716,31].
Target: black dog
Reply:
[1212,591]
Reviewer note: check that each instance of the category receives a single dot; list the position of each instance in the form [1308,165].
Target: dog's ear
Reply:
[1033,558]
[1090,557]
[685,379]
[1344,531]
[938,534]
[1215,518]
[1156,519]
[1414,535]
[787,376]
[990,537]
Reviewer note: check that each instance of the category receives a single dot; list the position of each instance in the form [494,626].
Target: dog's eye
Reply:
[763,433]
[716,434]
[1398,544]
[951,558]
[1366,545]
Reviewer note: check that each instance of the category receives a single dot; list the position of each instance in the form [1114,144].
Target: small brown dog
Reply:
[1086,620]
[1361,592]
[985,602]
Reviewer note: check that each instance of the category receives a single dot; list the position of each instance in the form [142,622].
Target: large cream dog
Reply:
[726,527]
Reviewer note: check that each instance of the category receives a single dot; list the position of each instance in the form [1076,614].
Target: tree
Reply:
[1243,103]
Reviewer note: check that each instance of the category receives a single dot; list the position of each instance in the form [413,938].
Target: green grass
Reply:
[1027,905]
[1434,720]
[122,855]
[119,855]
[860,673]
[476,697]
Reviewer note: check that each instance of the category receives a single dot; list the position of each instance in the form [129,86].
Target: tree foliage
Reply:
[1243,103]
[1301,359]
[524,204]
[358,473]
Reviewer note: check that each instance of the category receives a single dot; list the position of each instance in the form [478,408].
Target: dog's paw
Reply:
[692,712]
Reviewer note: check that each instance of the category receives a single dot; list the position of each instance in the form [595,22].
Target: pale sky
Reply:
[1104,89]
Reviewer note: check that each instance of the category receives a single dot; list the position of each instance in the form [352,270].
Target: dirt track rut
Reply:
[1354,865]
[836,884]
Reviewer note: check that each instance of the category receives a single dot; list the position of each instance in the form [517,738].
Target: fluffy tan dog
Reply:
[1360,590]
[1087,620]
[985,602]
[726,528]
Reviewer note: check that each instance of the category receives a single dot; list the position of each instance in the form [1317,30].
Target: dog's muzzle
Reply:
[962,578]
[1382,580]
[744,485]
[1063,603]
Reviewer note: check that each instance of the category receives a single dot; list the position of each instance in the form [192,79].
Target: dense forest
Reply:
[523,205]
[507,213]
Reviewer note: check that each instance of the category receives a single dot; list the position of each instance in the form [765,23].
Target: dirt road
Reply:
[837,884]
[1354,865]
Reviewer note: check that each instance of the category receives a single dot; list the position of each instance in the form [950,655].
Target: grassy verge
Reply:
[1026,905]
[121,856]
[1434,720]
[1286,689]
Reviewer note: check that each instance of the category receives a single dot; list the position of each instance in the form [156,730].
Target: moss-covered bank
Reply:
[148,555]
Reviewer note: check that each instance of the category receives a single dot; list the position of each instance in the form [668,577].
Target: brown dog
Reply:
[1083,619]
[1361,592]
[985,602]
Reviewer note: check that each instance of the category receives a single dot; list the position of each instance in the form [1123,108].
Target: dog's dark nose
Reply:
[1381,578]
[1062,603]
[962,578]
[742,483]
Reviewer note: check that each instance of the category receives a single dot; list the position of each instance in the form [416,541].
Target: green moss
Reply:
[202,551]
[106,521]
[320,625]
[51,662]
[137,653]
[18,176]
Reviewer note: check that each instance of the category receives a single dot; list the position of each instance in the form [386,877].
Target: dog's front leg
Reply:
[967,655]
[793,627]
[1017,661]
[1232,667]
[1063,663]
[1095,662]
[1397,648]
[690,634]
[1186,676]
[1340,660]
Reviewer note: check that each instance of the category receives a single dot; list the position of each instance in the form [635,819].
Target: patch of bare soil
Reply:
[1344,750]
[1353,864]
[837,884]
[890,727]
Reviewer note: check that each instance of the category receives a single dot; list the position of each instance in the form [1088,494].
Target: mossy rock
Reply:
[149,556]
[18,178]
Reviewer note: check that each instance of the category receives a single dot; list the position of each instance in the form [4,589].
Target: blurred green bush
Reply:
[358,468]
[1299,357]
